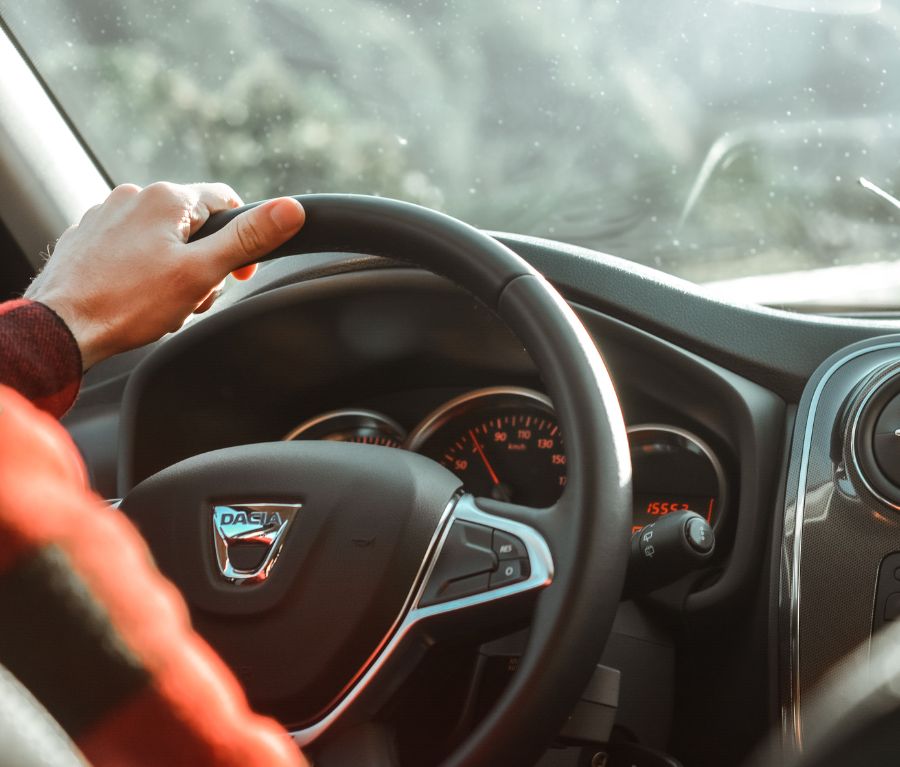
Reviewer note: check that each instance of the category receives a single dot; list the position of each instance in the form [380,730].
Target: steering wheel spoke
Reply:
[489,566]
[481,581]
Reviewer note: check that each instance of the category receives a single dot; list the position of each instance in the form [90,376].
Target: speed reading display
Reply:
[514,457]
[503,443]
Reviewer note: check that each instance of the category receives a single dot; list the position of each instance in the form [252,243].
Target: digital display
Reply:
[650,507]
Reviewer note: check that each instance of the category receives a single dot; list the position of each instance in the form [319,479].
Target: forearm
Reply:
[96,633]
[39,357]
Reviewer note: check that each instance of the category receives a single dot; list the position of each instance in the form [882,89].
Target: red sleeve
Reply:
[39,357]
[96,633]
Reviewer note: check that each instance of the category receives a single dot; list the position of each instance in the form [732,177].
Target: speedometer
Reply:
[503,443]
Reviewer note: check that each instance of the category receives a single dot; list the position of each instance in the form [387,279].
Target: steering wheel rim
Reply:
[588,529]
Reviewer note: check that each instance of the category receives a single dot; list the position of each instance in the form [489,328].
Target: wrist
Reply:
[84,337]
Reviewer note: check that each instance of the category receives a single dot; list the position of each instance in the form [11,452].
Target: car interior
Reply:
[441,494]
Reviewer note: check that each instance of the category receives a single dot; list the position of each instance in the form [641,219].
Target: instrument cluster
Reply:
[504,443]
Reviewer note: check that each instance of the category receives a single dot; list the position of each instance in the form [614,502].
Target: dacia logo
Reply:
[239,517]
[257,528]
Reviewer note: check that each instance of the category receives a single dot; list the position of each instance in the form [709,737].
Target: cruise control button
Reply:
[464,587]
[510,571]
[507,546]
[466,554]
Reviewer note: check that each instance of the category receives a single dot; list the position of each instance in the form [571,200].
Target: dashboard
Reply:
[504,443]
[379,353]
[350,348]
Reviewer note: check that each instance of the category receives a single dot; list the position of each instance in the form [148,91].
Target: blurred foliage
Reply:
[584,121]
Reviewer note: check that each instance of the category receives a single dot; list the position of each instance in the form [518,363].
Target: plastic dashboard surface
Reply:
[835,537]
[401,341]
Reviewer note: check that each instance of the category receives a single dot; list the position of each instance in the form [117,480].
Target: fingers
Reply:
[251,235]
[123,192]
[245,272]
[210,198]
[210,299]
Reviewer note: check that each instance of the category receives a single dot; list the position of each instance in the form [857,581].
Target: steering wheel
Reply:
[321,571]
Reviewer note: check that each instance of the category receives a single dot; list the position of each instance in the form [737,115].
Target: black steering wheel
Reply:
[321,570]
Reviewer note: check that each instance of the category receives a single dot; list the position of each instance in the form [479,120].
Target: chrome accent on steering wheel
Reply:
[464,509]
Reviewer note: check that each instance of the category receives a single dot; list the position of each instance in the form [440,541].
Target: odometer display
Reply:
[502,443]
[648,507]
[673,470]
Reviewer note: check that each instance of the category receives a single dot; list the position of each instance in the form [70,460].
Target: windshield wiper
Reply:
[866,184]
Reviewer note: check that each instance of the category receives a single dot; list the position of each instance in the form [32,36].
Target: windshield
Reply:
[713,140]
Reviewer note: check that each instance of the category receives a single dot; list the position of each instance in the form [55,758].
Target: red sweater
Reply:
[90,625]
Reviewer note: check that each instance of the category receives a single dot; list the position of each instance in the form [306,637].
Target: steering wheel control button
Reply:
[466,553]
[700,535]
[510,571]
[507,546]
[464,587]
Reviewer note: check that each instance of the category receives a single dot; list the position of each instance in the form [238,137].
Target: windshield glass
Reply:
[711,139]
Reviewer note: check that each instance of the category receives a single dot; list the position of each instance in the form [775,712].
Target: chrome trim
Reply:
[424,430]
[853,457]
[347,412]
[463,509]
[539,557]
[790,710]
[369,669]
[267,531]
[704,448]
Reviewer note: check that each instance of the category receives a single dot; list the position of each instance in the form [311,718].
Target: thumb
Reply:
[253,234]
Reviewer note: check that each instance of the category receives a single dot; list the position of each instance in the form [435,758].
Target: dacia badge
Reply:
[248,538]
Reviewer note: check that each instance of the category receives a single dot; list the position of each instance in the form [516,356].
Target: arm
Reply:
[94,631]
[39,356]
[125,276]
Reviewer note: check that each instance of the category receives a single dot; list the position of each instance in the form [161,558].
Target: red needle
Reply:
[484,457]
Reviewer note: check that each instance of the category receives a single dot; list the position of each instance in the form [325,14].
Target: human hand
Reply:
[126,274]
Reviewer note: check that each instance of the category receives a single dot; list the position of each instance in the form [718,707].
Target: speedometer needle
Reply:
[487,463]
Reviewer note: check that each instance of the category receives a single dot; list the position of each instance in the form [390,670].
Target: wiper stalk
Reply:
[866,184]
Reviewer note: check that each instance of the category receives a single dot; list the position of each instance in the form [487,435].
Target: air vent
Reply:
[874,434]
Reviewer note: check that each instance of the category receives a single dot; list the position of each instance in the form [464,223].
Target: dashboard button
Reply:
[507,546]
[510,571]
[700,535]
[892,607]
